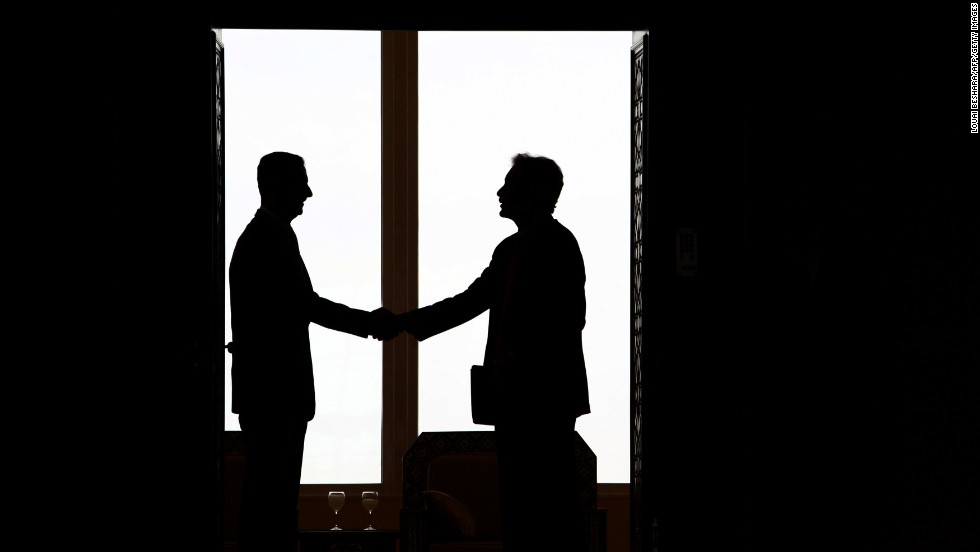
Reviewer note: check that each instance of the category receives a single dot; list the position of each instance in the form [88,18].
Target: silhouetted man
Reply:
[272,306]
[534,288]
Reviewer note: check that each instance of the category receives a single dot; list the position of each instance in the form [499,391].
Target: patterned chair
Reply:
[451,502]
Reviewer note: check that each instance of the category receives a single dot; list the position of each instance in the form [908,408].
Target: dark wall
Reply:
[814,385]
[868,425]
[136,164]
[693,409]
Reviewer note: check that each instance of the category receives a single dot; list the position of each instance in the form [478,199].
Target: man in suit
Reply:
[272,306]
[534,288]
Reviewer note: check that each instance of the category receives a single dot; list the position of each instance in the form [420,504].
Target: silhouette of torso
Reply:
[534,288]
[272,304]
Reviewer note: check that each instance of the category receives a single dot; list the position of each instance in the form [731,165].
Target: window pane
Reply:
[317,94]
[484,96]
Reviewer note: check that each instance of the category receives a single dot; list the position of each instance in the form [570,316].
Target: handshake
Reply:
[384,324]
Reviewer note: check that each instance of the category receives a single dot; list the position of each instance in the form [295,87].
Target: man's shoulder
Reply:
[505,246]
[263,226]
[562,229]
[251,233]
[560,235]
[261,237]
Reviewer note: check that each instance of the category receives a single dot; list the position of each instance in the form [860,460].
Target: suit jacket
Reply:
[272,305]
[534,288]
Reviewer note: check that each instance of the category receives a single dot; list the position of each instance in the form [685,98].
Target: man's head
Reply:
[531,188]
[283,183]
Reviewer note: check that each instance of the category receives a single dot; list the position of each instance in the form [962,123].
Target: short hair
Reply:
[543,177]
[273,167]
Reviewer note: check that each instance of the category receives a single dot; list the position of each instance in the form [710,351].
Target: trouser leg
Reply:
[273,465]
[539,494]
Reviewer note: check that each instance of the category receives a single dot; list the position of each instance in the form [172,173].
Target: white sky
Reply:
[483,96]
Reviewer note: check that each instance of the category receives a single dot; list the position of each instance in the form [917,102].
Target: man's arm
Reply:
[339,317]
[381,323]
[453,311]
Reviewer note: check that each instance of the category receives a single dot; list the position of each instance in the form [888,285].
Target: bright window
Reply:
[318,94]
[483,96]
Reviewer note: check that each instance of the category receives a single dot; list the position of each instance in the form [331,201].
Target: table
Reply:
[347,541]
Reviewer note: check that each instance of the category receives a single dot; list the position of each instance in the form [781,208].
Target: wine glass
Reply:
[336,501]
[369,499]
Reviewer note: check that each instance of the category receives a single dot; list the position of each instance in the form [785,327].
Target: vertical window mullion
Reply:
[399,243]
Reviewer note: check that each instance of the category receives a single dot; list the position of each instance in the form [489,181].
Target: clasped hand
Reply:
[386,325]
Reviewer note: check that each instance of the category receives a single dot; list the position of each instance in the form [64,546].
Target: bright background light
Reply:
[483,96]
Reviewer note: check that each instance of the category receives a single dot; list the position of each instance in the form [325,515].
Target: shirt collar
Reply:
[279,220]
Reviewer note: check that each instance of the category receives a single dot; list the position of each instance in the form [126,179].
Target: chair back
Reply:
[439,444]
[463,465]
